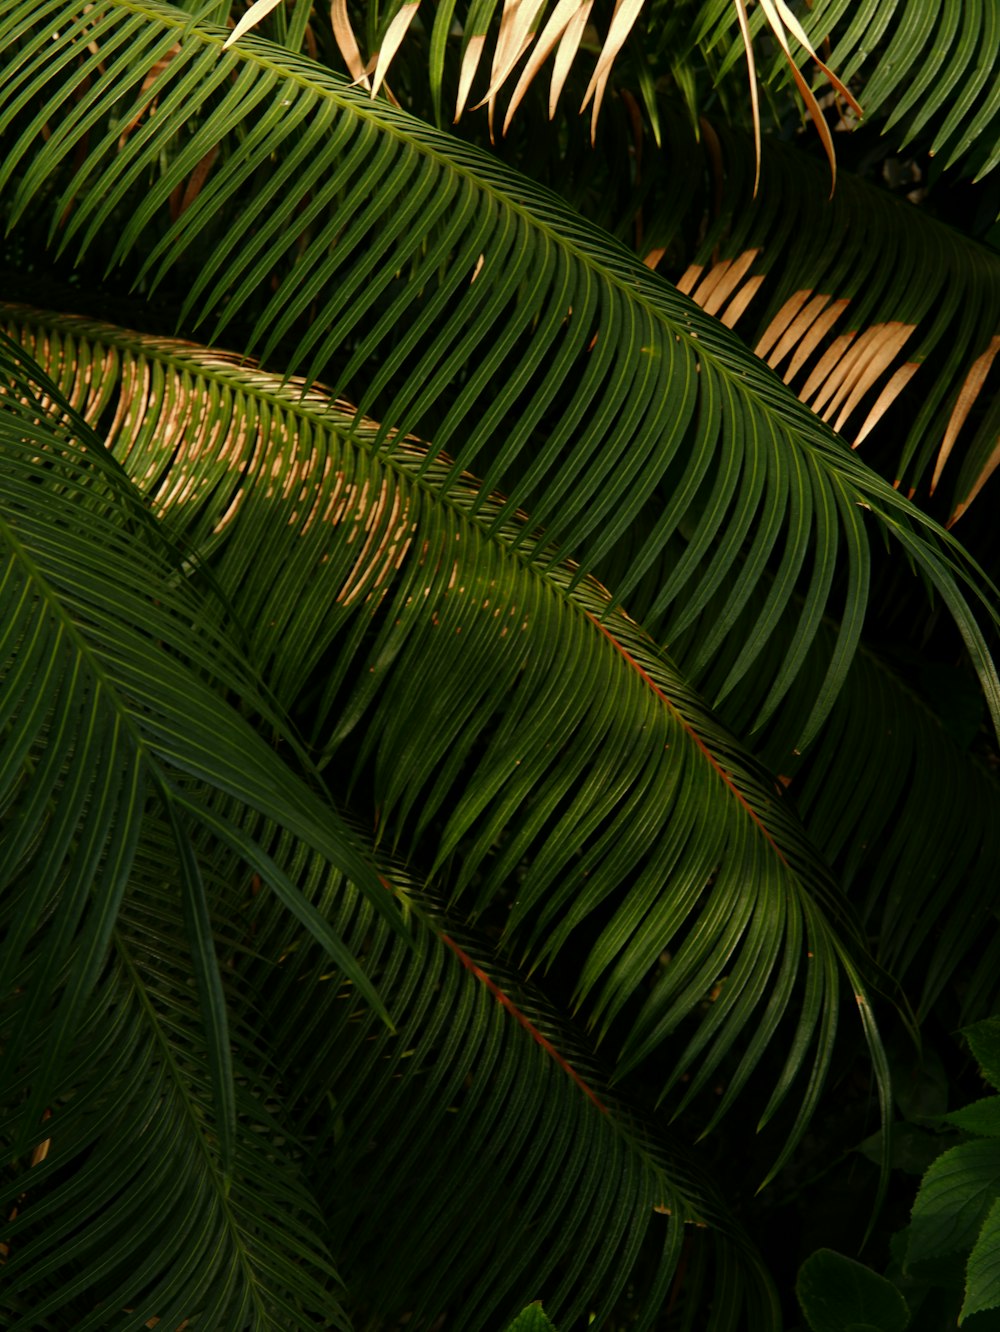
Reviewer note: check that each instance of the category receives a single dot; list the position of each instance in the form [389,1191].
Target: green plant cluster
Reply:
[945,1264]
[498,689]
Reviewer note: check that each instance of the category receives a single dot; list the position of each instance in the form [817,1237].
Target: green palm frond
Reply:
[894,793]
[483,1112]
[467,303]
[921,866]
[115,681]
[129,1212]
[642,826]
[855,301]
[927,69]
[908,818]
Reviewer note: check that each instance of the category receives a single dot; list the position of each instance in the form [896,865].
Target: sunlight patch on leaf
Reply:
[741,14]
[875,351]
[257,12]
[889,394]
[622,22]
[561,21]
[347,43]
[781,21]
[518,25]
[967,395]
[470,64]
[394,35]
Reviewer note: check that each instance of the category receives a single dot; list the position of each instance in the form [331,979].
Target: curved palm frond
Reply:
[482,1114]
[855,301]
[906,816]
[894,792]
[114,695]
[928,69]
[127,1213]
[468,300]
[921,867]
[641,826]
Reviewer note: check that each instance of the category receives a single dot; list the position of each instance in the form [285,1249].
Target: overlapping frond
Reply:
[862,304]
[914,832]
[465,301]
[115,681]
[490,42]
[896,792]
[567,756]
[126,1214]
[481,1114]
[908,817]
[928,69]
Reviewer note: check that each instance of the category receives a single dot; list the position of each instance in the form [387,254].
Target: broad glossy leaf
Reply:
[531,1319]
[981,1117]
[984,1042]
[982,1278]
[838,1294]
[955,1197]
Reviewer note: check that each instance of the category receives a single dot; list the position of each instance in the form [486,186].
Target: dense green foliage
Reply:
[494,779]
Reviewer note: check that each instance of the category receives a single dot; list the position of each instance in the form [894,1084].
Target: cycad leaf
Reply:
[929,69]
[889,793]
[482,1114]
[852,300]
[653,820]
[115,678]
[475,305]
[131,1213]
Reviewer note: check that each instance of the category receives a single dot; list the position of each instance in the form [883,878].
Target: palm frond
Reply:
[920,866]
[552,333]
[482,1113]
[653,834]
[128,1211]
[115,680]
[908,818]
[862,303]
[927,70]
[897,791]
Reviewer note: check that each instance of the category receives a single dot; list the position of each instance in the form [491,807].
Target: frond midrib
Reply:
[182,1089]
[84,652]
